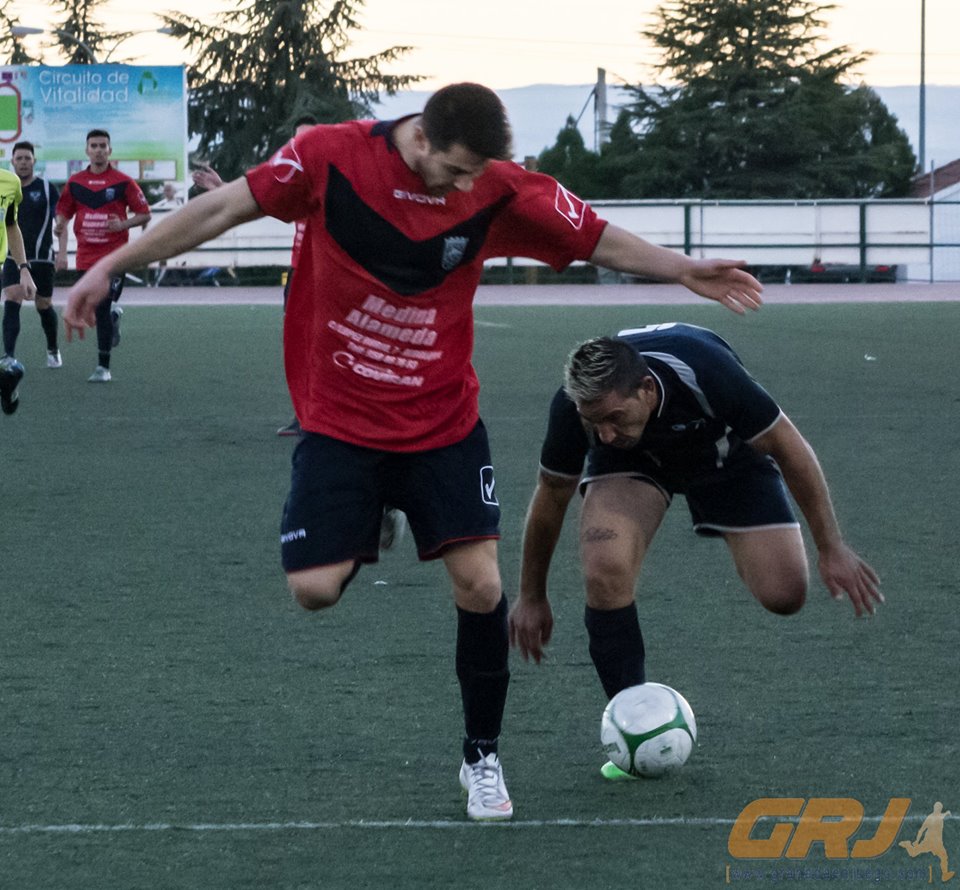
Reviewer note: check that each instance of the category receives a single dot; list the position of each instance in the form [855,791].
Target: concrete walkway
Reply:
[570,295]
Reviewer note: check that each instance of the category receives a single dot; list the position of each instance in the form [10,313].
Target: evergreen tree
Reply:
[11,49]
[266,63]
[756,109]
[570,162]
[81,34]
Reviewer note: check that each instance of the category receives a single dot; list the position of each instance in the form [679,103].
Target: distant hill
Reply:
[538,112]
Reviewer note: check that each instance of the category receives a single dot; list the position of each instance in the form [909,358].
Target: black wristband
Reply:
[23,266]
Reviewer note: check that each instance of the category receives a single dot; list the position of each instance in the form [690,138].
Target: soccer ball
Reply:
[648,730]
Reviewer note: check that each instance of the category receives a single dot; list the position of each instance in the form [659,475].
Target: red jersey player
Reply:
[378,336]
[100,198]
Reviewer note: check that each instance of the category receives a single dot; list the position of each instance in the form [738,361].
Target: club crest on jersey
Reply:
[569,206]
[286,163]
[110,194]
[454,248]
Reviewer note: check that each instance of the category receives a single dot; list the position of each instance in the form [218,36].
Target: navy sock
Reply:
[48,321]
[616,647]
[11,326]
[104,333]
[484,675]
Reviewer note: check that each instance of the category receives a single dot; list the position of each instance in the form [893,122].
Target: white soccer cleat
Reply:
[392,528]
[487,797]
[100,375]
[54,359]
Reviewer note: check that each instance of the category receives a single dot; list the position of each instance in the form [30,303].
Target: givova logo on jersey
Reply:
[569,206]
[286,163]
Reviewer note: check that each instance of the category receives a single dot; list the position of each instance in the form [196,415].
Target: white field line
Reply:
[393,824]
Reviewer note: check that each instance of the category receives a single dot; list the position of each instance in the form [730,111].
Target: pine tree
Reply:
[80,36]
[571,162]
[11,49]
[755,108]
[266,63]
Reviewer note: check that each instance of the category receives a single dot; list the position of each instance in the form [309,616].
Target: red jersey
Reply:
[378,328]
[94,198]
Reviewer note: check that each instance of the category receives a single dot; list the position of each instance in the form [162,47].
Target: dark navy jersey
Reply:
[36,216]
[709,407]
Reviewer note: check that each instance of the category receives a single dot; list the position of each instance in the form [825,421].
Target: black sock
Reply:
[11,326]
[484,675]
[616,647]
[48,321]
[104,333]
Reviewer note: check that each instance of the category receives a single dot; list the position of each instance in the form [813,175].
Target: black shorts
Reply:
[338,492]
[42,276]
[747,494]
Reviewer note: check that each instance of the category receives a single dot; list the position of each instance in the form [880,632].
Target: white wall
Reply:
[763,233]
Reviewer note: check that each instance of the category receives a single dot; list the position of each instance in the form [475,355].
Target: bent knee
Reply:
[479,595]
[314,598]
[784,598]
[608,585]
[315,589]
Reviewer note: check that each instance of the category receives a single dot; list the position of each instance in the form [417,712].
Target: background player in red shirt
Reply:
[378,339]
[100,197]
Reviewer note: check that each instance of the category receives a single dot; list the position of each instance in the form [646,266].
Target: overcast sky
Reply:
[508,43]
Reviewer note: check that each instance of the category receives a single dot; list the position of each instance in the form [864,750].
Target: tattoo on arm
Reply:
[594,534]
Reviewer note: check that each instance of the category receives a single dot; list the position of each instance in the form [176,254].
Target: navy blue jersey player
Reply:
[35,217]
[656,412]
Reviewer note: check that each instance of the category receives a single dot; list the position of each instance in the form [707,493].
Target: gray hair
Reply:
[601,366]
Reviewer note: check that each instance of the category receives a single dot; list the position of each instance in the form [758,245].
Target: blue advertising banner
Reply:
[143,108]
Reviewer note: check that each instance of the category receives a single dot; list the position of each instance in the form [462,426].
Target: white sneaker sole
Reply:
[485,814]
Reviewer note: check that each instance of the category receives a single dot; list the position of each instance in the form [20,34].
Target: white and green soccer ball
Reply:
[648,730]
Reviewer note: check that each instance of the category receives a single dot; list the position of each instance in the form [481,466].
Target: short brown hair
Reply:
[603,365]
[470,115]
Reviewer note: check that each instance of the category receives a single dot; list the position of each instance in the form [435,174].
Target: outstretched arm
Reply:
[841,569]
[531,618]
[725,281]
[199,221]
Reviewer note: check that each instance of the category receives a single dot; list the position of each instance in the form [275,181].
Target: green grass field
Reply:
[170,719]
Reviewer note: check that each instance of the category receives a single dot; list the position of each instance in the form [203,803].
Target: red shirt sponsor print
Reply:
[93,198]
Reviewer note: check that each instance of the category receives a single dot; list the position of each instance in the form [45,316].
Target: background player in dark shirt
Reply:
[378,335]
[658,411]
[35,216]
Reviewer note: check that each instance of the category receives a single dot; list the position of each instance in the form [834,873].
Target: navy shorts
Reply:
[41,272]
[338,492]
[747,494]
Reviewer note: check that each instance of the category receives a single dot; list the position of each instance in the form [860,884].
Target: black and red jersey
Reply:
[378,329]
[93,198]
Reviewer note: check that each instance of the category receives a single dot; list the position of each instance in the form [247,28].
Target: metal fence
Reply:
[921,238]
